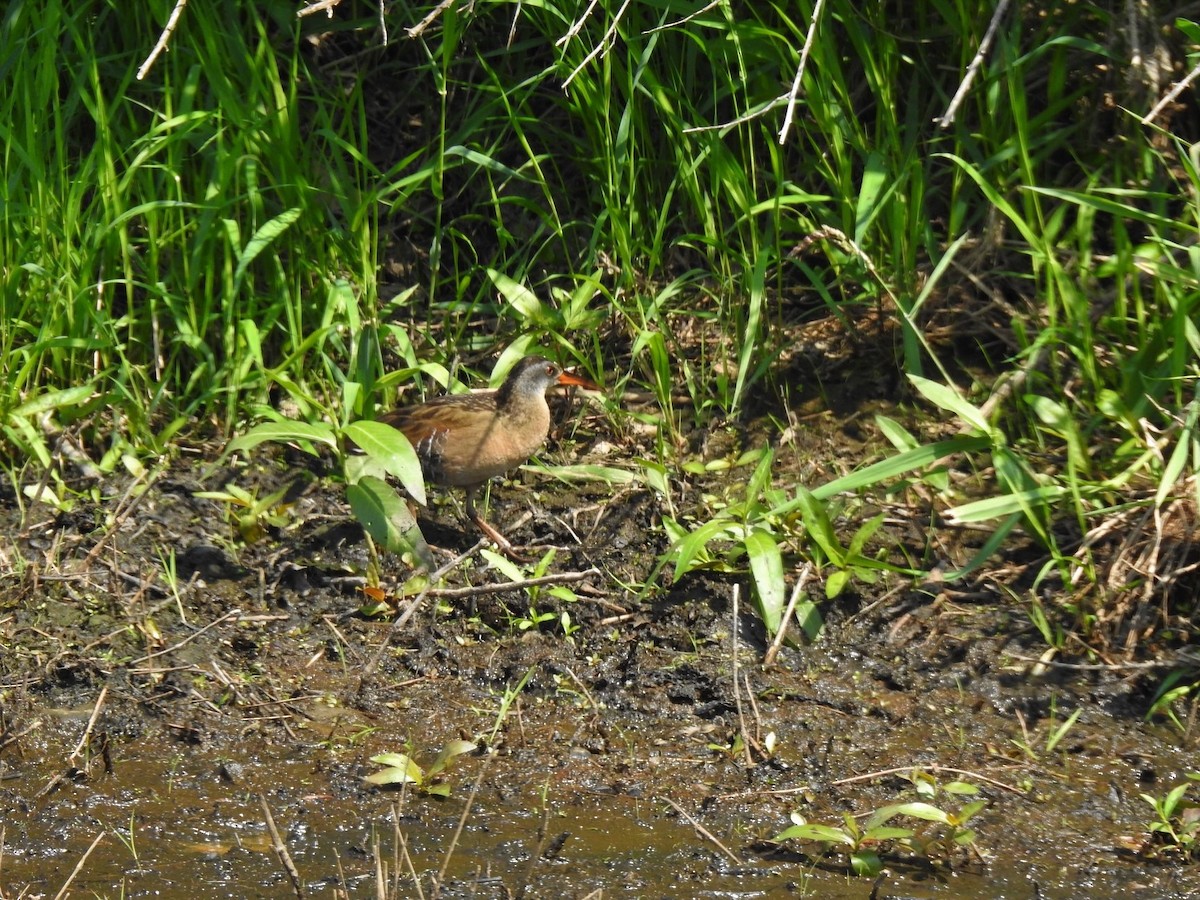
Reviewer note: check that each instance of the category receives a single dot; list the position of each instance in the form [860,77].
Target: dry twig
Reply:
[163,38]
[795,91]
[704,832]
[947,118]
[281,850]
[64,891]
[434,578]
[472,591]
[897,770]
[462,823]
[417,30]
[773,650]
[601,46]
[325,6]
[232,614]
[748,742]
[75,754]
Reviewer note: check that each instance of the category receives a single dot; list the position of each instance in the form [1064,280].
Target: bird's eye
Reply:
[549,370]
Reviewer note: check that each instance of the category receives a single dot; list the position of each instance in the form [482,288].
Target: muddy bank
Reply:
[158,704]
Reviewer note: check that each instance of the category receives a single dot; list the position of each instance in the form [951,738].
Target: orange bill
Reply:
[578,381]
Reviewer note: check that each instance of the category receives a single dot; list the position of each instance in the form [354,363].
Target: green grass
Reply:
[288,208]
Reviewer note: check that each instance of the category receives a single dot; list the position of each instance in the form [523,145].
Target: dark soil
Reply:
[637,749]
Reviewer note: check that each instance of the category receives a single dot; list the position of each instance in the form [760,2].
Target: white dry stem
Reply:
[795,92]
[947,118]
[603,46]
[163,38]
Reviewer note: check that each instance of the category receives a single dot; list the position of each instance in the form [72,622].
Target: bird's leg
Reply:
[500,540]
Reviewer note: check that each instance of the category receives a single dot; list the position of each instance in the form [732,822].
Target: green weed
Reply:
[402,769]
[863,843]
[1176,828]
[1178,686]
[383,513]
[1056,732]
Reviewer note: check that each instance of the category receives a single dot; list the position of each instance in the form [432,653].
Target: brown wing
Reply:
[444,430]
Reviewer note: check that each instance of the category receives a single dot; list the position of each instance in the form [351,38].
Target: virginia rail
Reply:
[465,439]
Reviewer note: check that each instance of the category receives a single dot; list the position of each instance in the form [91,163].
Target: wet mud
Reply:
[171,674]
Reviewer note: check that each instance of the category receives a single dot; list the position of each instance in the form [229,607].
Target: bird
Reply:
[462,440]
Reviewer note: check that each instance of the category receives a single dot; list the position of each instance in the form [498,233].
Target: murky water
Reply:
[576,799]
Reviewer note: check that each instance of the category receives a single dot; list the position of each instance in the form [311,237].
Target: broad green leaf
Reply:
[391,759]
[341,303]
[484,162]
[761,477]
[1173,797]
[1006,505]
[809,617]
[949,399]
[864,534]
[263,238]
[232,493]
[866,863]
[449,752]
[283,432]
[49,400]
[22,433]
[1053,413]
[45,493]
[892,467]
[960,787]
[575,306]
[887,833]
[521,298]
[692,549]
[1188,440]
[385,517]
[836,583]
[876,186]
[233,232]
[511,355]
[1056,736]
[824,833]
[590,472]
[820,529]
[990,546]
[393,451]
[920,810]
[750,331]
[400,770]
[352,395]
[766,567]
[897,434]
[358,465]
[502,564]
[989,189]
[969,810]
[1124,211]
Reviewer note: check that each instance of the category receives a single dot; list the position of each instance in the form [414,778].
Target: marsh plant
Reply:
[1175,831]
[942,831]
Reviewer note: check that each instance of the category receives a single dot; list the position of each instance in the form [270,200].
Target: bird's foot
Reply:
[502,543]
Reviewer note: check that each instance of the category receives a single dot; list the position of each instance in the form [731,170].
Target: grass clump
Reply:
[945,836]
[169,241]
[1176,827]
